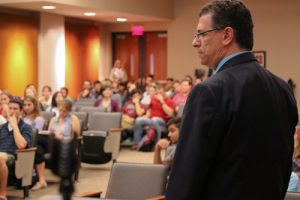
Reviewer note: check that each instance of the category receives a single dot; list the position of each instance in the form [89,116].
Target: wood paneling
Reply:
[127,46]
[82,55]
[156,48]
[126,50]
[18,51]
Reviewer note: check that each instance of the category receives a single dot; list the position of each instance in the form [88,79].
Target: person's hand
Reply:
[162,144]
[85,92]
[136,100]
[58,134]
[5,111]
[12,120]
[160,98]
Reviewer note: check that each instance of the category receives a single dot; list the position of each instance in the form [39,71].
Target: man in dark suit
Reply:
[238,125]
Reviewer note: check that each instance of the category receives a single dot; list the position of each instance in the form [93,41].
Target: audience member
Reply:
[293,183]
[97,90]
[5,98]
[160,110]
[106,102]
[65,92]
[176,88]
[46,97]
[169,87]
[117,72]
[31,113]
[180,98]
[63,126]
[169,144]
[14,134]
[148,94]
[199,76]
[30,90]
[56,100]
[86,91]
[132,109]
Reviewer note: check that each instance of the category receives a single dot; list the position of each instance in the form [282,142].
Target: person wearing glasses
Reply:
[238,125]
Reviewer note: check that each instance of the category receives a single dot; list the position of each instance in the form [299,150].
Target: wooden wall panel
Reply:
[125,49]
[82,55]
[18,51]
[126,45]
[156,47]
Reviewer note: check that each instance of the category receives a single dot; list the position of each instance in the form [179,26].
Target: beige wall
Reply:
[277,31]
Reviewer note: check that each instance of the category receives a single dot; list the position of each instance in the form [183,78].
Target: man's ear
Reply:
[228,36]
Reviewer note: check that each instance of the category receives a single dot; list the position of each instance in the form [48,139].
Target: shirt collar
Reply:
[224,60]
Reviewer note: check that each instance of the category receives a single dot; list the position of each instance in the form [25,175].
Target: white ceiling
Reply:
[104,13]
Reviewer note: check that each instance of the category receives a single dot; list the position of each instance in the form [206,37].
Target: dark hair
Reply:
[134,91]
[96,82]
[170,79]
[48,87]
[17,100]
[187,80]
[66,89]
[176,121]
[234,14]
[150,76]
[199,73]
[53,101]
[189,77]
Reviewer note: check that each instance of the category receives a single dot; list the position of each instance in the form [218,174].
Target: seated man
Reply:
[14,134]
[160,110]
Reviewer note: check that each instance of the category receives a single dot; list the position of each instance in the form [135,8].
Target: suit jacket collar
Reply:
[239,59]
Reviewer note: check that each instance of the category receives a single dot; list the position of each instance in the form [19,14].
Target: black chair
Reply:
[101,143]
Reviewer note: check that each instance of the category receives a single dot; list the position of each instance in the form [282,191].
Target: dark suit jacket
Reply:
[236,140]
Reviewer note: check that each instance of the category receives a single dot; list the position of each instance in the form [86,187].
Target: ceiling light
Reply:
[89,14]
[121,19]
[49,7]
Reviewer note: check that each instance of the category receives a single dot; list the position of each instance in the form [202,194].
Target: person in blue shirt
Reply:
[293,184]
[14,134]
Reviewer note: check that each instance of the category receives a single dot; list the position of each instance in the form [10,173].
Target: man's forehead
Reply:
[13,105]
[205,21]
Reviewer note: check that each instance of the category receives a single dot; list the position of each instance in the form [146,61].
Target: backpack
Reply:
[148,141]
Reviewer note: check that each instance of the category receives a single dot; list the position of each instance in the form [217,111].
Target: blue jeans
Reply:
[141,122]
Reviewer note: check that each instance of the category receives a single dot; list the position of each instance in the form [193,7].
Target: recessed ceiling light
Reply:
[49,7]
[121,19]
[89,14]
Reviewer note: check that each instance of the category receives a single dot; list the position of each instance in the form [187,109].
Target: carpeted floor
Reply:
[91,177]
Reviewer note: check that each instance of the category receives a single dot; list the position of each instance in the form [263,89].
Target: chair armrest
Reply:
[115,129]
[90,194]
[24,165]
[26,150]
[160,197]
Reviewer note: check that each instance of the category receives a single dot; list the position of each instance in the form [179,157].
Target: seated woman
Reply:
[31,113]
[106,102]
[56,100]
[168,144]
[5,98]
[63,126]
[46,97]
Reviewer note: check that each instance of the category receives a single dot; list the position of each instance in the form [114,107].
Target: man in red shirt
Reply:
[161,108]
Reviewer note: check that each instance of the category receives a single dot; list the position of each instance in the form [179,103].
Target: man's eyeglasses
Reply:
[198,35]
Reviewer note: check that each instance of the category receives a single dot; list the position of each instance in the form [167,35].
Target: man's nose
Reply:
[196,42]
